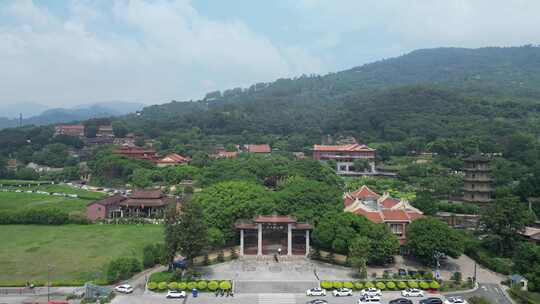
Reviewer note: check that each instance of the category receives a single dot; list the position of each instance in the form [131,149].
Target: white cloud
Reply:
[156,51]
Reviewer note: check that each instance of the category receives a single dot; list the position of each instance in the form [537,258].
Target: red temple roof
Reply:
[264,148]
[364,192]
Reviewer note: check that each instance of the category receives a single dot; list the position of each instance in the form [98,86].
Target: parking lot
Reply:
[275,298]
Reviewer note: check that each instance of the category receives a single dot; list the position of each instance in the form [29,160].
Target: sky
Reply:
[65,53]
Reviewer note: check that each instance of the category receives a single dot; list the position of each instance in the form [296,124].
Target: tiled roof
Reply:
[374,216]
[364,192]
[146,194]
[389,202]
[111,200]
[274,219]
[146,202]
[264,148]
[342,148]
[395,215]
[174,158]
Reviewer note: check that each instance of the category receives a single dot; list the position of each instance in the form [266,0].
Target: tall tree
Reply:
[503,220]
[359,250]
[192,234]
[428,237]
[171,234]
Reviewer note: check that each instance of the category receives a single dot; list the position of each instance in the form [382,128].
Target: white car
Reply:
[124,288]
[342,292]
[371,292]
[365,299]
[316,292]
[455,300]
[174,294]
[412,292]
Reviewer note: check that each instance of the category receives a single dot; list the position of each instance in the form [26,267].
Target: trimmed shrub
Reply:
[349,285]
[122,268]
[213,285]
[358,285]
[413,284]
[391,285]
[326,284]
[162,285]
[428,276]
[424,285]
[202,285]
[337,284]
[434,285]
[225,285]
[173,285]
[152,285]
[191,285]
[402,285]
[182,285]
[369,285]
[380,285]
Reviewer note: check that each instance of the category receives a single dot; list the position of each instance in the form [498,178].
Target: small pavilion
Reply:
[266,235]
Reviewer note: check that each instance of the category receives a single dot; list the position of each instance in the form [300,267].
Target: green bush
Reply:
[428,276]
[225,285]
[480,300]
[402,285]
[358,285]
[337,284]
[202,285]
[369,285]
[152,285]
[152,255]
[391,285]
[349,285]
[182,285]
[122,269]
[191,285]
[424,285]
[162,285]
[37,216]
[412,284]
[326,284]
[380,285]
[434,285]
[173,285]
[213,285]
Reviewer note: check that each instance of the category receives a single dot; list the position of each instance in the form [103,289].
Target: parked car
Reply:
[175,294]
[342,292]
[317,301]
[455,300]
[412,292]
[431,301]
[400,301]
[124,288]
[371,292]
[366,299]
[402,272]
[316,292]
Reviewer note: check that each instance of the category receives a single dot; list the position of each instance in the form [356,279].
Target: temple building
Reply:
[140,203]
[173,159]
[345,155]
[477,182]
[69,130]
[105,131]
[137,153]
[259,149]
[397,214]
[274,234]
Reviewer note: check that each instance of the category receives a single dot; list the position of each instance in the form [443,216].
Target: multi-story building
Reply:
[69,130]
[397,214]
[105,131]
[477,181]
[345,155]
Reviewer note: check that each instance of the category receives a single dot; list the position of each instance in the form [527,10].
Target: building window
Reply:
[98,208]
[343,168]
[397,229]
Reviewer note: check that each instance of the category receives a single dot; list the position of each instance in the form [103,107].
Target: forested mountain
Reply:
[64,115]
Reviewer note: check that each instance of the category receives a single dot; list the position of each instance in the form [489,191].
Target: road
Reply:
[490,291]
[274,298]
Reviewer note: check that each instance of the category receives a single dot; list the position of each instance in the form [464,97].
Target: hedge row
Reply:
[200,285]
[381,285]
[41,216]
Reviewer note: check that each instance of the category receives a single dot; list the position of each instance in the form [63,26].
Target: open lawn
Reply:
[19,201]
[75,252]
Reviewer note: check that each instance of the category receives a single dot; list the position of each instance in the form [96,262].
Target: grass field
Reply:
[76,252]
[18,201]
